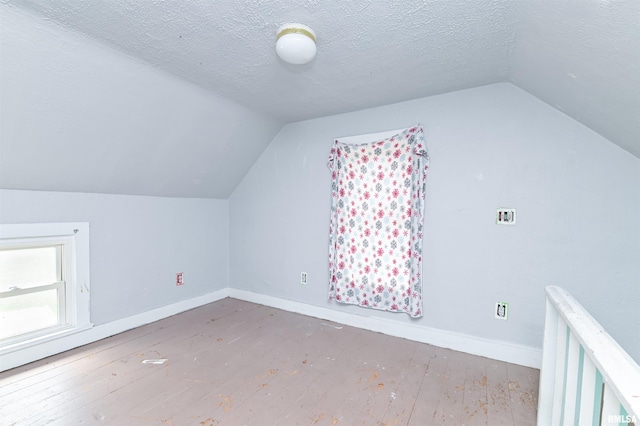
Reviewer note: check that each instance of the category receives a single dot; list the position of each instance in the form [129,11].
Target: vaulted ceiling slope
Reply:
[582,57]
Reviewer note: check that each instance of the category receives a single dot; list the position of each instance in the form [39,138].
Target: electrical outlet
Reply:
[506,216]
[501,311]
[179,280]
[304,279]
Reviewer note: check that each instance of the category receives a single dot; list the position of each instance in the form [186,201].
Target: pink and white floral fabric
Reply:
[377,205]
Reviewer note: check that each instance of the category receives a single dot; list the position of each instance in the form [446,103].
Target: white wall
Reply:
[137,245]
[76,115]
[495,146]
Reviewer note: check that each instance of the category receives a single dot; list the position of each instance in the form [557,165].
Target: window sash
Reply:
[21,291]
[62,293]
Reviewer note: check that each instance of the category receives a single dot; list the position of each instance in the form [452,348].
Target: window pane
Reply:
[28,312]
[30,267]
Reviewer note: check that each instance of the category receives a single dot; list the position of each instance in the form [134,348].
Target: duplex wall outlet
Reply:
[304,279]
[506,216]
[501,311]
[179,279]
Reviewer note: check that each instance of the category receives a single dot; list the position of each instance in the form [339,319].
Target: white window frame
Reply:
[74,238]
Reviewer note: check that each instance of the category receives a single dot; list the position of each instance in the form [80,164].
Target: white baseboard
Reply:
[501,351]
[38,350]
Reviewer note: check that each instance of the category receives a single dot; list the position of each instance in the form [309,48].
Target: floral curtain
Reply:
[377,205]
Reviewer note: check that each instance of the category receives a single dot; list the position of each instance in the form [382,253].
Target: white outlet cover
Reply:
[501,311]
[506,216]
[304,278]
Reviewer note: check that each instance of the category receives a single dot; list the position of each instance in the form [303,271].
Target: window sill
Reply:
[35,341]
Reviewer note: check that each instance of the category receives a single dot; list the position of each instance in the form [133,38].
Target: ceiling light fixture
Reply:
[296,44]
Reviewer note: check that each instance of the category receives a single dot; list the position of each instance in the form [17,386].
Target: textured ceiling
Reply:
[582,57]
[369,52]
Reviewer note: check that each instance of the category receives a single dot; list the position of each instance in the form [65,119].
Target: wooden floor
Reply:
[238,363]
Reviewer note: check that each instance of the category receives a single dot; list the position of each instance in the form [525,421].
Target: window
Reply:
[44,285]
[376,227]
[32,289]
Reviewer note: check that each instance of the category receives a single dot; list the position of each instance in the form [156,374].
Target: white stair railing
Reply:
[586,377]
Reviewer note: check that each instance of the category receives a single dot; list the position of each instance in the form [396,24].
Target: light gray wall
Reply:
[137,245]
[495,146]
[79,116]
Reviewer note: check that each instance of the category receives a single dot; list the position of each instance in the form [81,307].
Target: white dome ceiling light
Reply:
[296,44]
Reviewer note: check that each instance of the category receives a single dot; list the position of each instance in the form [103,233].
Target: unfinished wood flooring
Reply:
[238,363]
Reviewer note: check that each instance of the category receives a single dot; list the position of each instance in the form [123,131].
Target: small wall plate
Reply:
[501,311]
[506,216]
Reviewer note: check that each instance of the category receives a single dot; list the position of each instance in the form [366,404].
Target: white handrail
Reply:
[569,330]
